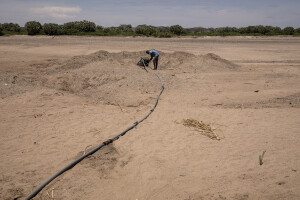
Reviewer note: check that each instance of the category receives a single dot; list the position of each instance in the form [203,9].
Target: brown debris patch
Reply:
[204,129]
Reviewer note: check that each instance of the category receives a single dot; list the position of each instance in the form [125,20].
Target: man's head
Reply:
[148,52]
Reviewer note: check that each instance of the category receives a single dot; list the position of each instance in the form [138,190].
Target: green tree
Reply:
[85,26]
[11,27]
[51,29]
[243,30]
[81,26]
[99,28]
[177,29]
[273,30]
[69,25]
[164,29]
[33,27]
[288,30]
[125,28]
[112,30]
[262,30]
[146,30]
[1,29]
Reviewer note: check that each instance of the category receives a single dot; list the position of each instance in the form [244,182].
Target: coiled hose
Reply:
[72,164]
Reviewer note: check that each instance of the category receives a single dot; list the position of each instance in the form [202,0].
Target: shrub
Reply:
[125,28]
[164,35]
[85,26]
[164,29]
[33,27]
[177,30]
[51,29]
[273,30]
[99,28]
[112,31]
[69,25]
[1,29]
[226,31]
[82,26]
[288,30]
[11,27]
[146,30]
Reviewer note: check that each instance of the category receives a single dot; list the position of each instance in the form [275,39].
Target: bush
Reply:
[164,29]
[112,31]
[125,28]
[273,30]
[164,35]
[1,29]
[11,27]
[51,29]
[146,30]
[224,31]
[82,26]
[85,26]
[177,30]
[99,28]
[288,30]
[33,27]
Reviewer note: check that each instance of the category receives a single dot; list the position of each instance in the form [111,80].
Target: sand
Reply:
[62,96]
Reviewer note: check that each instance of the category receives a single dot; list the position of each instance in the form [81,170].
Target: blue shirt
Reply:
[153,53]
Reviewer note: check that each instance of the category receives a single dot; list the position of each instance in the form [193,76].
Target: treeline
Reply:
[90,28]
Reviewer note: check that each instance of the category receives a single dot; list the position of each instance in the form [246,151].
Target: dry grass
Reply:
[203,128]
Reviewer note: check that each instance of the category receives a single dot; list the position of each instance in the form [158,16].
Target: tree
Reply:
[33,27]
[177,29]
[11,27]
[288,30]
[82,26]
[125,28]
[99,28]
[85,26]
[51,29]
[1,29]
[146,30]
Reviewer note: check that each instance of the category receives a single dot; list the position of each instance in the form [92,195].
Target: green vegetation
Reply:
[51,29]
[261,157]
[90,28]
[11,29]
[33,27]
[177,30]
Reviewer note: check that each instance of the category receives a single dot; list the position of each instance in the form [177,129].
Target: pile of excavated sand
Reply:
[113,78]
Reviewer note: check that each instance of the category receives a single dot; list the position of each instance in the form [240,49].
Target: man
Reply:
[154,55]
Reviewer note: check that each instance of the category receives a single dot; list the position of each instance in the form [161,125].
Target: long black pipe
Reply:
[72,164]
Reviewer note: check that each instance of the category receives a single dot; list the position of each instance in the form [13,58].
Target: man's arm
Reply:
[151,57]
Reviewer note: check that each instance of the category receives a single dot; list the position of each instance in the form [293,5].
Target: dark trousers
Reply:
[155,62]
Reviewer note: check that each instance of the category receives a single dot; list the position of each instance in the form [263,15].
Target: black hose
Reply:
[72,164]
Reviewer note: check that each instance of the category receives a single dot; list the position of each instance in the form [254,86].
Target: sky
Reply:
[187,13]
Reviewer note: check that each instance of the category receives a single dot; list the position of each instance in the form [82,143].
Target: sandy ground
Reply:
[62,96]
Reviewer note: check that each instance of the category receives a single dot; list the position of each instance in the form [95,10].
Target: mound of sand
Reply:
[113,78]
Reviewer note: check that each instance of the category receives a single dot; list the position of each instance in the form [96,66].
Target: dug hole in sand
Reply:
[54,112]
